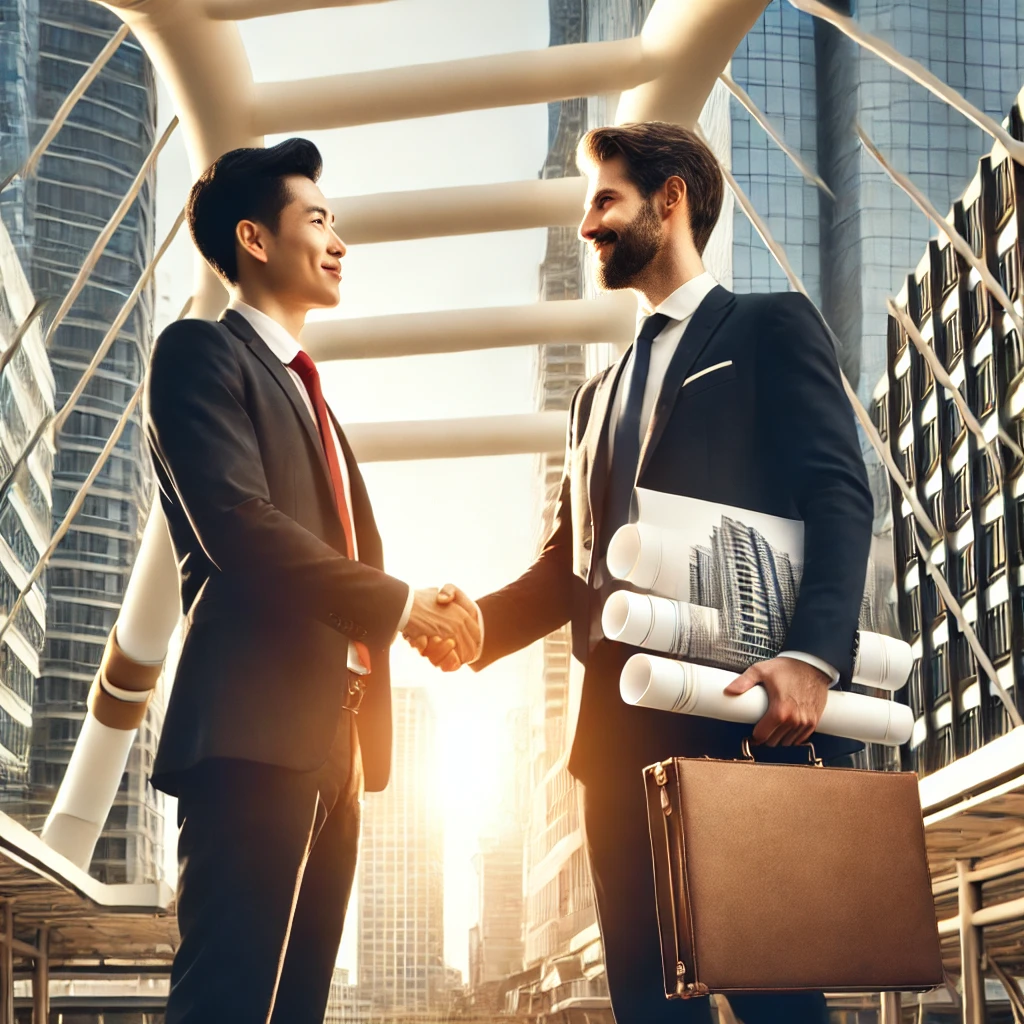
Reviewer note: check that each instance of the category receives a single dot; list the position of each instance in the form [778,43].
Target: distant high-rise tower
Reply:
[54,219]
[496,950]
[400,941]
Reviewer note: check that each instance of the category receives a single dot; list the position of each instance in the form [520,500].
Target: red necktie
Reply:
[306,369]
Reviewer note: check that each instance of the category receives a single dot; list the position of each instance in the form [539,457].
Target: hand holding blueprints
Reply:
[666,685]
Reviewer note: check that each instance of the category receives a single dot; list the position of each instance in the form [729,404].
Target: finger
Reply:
[805,734]
[439,651]
[468,635]
[771,727]
[745,682]
[419,643]
[446,594]
[790,731]
[451,663]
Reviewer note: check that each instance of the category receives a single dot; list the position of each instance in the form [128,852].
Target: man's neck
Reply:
[291,318]
[664,279]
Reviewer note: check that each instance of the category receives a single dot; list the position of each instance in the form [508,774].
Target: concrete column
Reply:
[970,946]
[41,980]
[126,679]
[7,967]
[891,1008]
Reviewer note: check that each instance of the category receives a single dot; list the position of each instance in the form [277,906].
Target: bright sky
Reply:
[469,521]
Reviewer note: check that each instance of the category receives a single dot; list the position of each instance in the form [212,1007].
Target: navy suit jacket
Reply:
[772,431]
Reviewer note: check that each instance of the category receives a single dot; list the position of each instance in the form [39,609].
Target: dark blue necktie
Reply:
[626,449]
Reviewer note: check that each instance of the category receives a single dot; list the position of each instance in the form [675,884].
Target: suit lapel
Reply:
[240,326]
[699,332]
[596,440]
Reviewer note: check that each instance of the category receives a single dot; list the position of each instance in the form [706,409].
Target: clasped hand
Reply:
[444,627]
[797,693]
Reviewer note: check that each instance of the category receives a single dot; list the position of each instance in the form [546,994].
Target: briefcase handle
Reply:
[812,756]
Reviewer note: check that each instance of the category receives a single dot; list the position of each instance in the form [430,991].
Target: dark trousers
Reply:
[617,840]
[267,857]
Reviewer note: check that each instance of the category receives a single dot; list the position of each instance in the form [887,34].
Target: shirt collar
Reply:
[683,302]
[277,339]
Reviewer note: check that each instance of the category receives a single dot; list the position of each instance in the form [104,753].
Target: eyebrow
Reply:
[320,209]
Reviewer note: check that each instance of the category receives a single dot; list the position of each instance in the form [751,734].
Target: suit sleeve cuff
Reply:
[818,663]
[480,623]
[404,620]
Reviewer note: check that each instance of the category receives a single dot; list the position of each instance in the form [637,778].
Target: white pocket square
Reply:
[707,370]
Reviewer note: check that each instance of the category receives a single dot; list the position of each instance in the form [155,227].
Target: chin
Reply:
[328,299]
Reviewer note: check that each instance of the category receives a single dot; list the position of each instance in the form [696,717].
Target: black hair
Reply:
[245,184]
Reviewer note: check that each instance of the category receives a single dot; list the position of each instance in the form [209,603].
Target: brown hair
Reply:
[655,151]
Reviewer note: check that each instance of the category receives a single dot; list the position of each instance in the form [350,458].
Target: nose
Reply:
[590,226]
[335,246]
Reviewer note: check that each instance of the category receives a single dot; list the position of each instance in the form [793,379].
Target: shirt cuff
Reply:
[404,620]
[818,663]
[480,623]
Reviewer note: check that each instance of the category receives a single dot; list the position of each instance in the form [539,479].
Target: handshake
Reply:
[445,627]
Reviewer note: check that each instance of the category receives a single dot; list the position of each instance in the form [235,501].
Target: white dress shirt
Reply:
[286,348]
[680,306]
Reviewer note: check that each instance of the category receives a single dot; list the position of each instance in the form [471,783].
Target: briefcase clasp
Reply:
[812,756]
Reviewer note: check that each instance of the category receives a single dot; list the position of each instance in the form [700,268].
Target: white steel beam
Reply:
[461,210]
[204,65]
[241,10]
[691,41]
[570,321]
[458,439]
[448,87]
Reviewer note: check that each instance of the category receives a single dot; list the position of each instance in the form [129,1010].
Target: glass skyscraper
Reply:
[26,400]
[816,86]
[400,942]
[53,220]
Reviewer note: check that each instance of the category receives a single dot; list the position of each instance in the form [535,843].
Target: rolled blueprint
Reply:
[692,631]
[684,688]
[882,661]
[651,559]
[659,624]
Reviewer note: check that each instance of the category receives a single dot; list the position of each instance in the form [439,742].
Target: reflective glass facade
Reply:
[54,220]
[815,85]
[26,399]
[974,494]
[401,872]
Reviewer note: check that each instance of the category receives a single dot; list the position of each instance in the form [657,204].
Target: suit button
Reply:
[346,627]
[587,544]
[361,633]
[335,620]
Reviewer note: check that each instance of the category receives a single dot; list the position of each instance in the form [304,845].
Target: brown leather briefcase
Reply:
[774,877]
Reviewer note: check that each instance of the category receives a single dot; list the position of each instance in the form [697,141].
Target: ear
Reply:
[249,235]
[674,196]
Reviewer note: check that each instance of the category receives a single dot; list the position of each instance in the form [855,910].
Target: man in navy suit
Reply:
[734,399]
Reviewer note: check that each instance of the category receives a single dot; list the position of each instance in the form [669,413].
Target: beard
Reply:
[635,246]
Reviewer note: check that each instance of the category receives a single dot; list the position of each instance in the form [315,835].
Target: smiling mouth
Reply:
[335,271]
